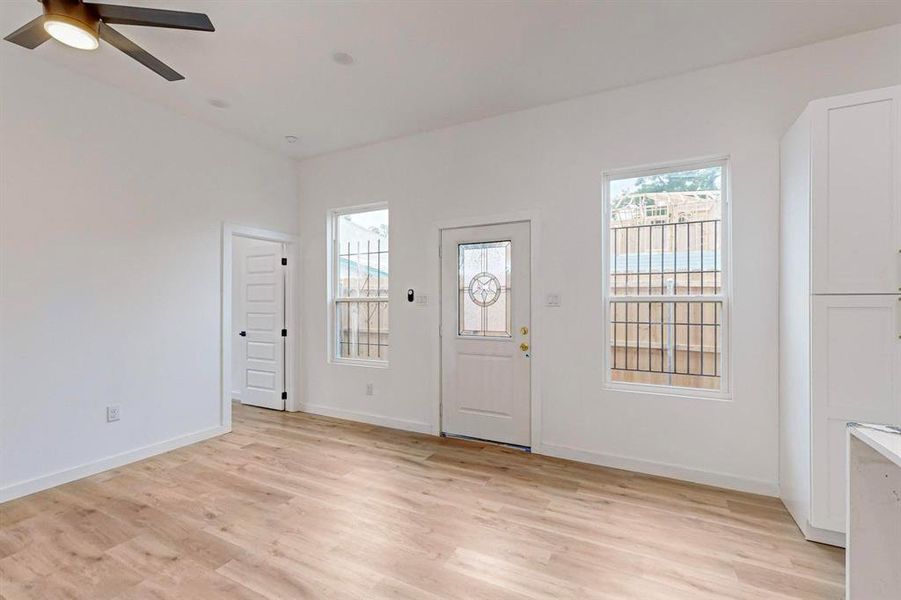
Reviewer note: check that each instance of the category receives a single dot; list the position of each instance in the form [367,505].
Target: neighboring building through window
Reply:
[360,285]
[666,288]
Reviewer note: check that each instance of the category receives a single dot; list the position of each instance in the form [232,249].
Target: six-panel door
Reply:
[263,311]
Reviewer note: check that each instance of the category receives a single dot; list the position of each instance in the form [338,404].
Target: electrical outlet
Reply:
[369,389]
[112,413]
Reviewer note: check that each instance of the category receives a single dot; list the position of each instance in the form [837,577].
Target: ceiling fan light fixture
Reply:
[71,32]
[81,25]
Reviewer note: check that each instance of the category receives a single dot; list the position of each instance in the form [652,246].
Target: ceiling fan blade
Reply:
[31,35]
[152,17]
[127,46]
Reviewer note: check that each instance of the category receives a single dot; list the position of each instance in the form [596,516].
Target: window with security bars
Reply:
[665,290]
[360,285]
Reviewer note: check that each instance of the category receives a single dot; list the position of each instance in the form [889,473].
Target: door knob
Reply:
[243,334]
[524,347]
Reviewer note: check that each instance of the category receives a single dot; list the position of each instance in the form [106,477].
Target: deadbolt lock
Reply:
[524,330]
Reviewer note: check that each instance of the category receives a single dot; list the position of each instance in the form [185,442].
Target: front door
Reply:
[262,311]
[485,333]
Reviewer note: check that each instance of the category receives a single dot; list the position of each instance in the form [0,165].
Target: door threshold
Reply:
[264,407]
[457,436]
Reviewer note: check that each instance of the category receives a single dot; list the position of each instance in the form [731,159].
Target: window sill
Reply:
[668,391]
[350,362]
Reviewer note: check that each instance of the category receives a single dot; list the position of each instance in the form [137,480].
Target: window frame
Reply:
[725,296]
[333,344]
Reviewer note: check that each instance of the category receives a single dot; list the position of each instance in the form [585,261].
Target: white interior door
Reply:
[485,333]
[260,342]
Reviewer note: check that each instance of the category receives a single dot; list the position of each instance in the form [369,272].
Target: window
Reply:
[360,285]
[665,294]
[484,289]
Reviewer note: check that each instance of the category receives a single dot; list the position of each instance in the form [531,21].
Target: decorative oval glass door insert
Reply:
[484,294]
[484,289]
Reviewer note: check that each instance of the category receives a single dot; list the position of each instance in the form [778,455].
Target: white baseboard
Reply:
[30,486]
[823,536]
[362,417]
[722,480]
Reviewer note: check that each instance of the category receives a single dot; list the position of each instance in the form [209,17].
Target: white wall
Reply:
[110,264]
[550,160]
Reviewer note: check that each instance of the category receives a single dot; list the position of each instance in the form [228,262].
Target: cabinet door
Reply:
[855,376]
[856,193]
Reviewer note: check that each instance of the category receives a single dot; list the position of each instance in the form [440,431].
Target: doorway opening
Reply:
[258,329]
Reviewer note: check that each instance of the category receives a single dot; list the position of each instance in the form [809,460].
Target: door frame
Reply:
[292,324]
[532,217]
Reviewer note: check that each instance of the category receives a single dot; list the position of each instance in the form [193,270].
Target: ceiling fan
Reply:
[83,24]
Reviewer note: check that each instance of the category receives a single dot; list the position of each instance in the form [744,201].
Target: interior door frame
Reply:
[292,323]
[532,217]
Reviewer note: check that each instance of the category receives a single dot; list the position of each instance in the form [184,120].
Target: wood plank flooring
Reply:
[297,506]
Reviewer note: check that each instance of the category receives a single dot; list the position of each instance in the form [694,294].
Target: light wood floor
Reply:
[296,506]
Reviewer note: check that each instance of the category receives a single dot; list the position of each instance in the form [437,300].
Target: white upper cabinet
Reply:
[856,193]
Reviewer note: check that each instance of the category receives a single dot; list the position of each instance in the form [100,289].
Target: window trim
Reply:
[332,298]
[725,296]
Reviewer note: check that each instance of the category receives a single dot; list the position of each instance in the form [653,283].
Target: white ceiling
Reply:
[421,65]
